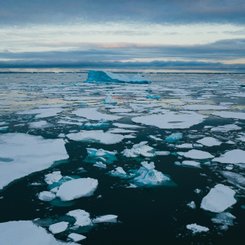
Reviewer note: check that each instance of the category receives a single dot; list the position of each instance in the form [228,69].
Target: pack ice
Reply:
[23,154]
[109,77]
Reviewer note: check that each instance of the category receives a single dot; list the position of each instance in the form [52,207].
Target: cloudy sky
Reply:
[123,34]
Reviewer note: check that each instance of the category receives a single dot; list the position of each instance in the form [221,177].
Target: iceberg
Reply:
[148,176]
[218,199]
[25,233]
[109,77]
[77,188]
[173,138]
[119,172]
[141,149]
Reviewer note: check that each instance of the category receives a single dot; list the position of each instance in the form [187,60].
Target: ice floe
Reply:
[196,154]
[25,233]
[218,199]
[53,177]
[23,154]
[226,128]
[194,164]
[106,157]
[141,149]
[174,137]
[119,172]
[230,114]
[234,156]
[100,136]
[94,114]
[76,188]
[109,218]
[81,216]
[42,112]
[171,120]
[39,124]
[195,228]
[209,141]
[58,227]
[46,196]
[109,77]
[75,237]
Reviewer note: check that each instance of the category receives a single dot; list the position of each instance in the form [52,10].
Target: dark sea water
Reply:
[146,215]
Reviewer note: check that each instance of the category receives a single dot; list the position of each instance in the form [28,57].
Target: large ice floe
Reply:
[25,233]
[109,77]
[230,114]
[171,120]
[218,199]
[234,156]
[147,176]
[23,154]
[94,114]
[77,188]
[196,154]
[100,136]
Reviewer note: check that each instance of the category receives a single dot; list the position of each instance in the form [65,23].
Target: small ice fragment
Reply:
[191,205]
[109,218]
[75,237]
[58,227]
[224,219]
[197,228]
[46,196]
[119,172]
[141,149]
[218,199]
[76,188]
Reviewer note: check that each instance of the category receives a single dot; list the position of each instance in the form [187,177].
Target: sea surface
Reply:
[149,211]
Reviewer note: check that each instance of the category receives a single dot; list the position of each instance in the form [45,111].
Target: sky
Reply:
[123,34]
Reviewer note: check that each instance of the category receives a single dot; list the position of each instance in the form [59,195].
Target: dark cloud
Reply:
[154,11]
[124,57]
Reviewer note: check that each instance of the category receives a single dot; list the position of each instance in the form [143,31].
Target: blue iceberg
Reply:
[109,77]
[173,138]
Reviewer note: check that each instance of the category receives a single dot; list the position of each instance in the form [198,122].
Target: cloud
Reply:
[153,11]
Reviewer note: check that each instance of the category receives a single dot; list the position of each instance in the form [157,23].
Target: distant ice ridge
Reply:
[109,77]
[23,154]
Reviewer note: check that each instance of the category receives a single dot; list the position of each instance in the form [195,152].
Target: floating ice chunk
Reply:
[39,124]
[102,155]
[109,100]
[77,188]
[124,125]
[184,146]
[209,141]
[148,176]
[155,138]
[226,128]
[81,216]
[197,228]
[204,107]
[242,137]
[119,172]
[235,179]
[196,154]
[100,136]
[174,137]
[53,177]
[100,165]
[218,199]
[191,164]
[109,218]
[230,114]
[46,196]
[25,233]
[141,149]
[99,125]
[234,156]
[58,227]
[75,237]
[162,153]
[109,77]
[121,131]
[191,205]
[27,154]
[224,219]
[42,112]
[93,114]
[171,120]
[120,110]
